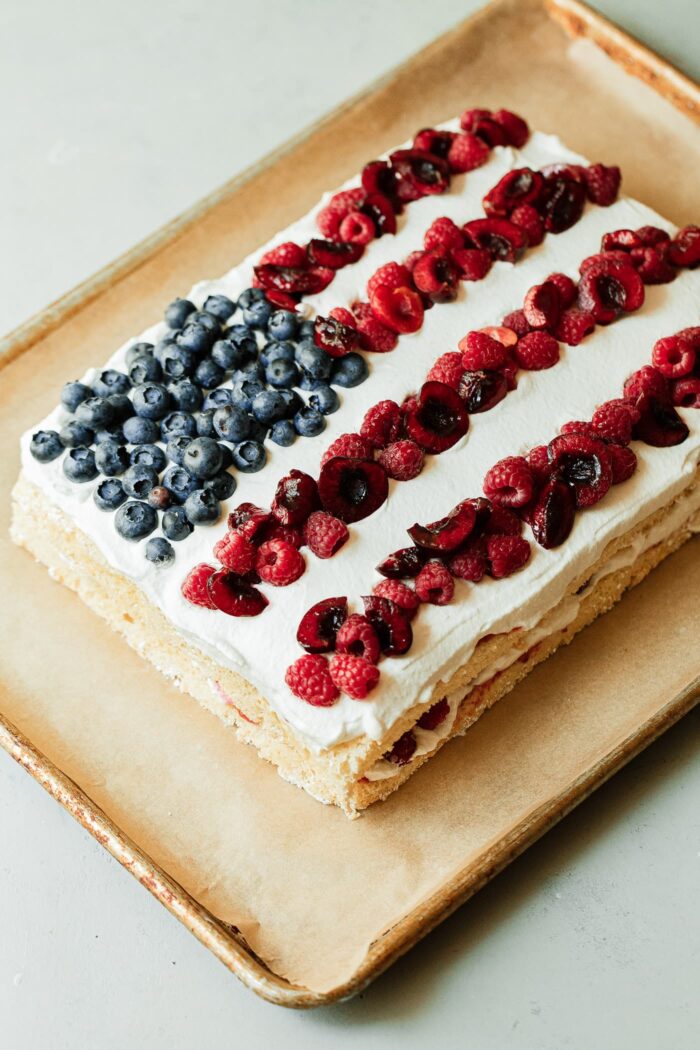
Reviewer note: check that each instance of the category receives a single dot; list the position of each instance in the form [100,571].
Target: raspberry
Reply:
[653,266]
[436,419]
[357,228]
[602,184]
[352,488]
[353,675]
[473,263]
[234,596]
[194,586]
[623,463]
[685,393]
[391,624]
[402,460]
[381,424]
[287,254]
[448,533]
[481,351]
[516,129]
[517,322]
[684,249]
[502,239]
[503,522]
[348,445]
[319,626]
[650,236]
[447,369]
[573,326]
[400,594]
[435,715]
[673,356]
[333,255]
[436,276]
[403,749]
[517,187]
[324,534]
[376,336]
[434,584]
[504,336]
[309,678]
[296,496]
[509,483]
[470,563]
[646,380]
[538,462]
[566,288]
[536,351]
[614,421]
[400,309]
[288,533]
[339,313]
[542,306]
[466,153]
[530,221]
[279,563]
[329,218]
[236,553]
[506,554]
[336,338]
[442,235]
[577,426]
[692,336]
[358,637]
[583,462]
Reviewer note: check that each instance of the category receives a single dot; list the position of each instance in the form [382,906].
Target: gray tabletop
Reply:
[114,119]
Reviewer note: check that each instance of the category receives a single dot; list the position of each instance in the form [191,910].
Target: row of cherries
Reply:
[483,536]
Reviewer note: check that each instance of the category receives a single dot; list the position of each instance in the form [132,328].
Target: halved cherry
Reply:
[319,626]
[333,254]
[391,624]
[521,186]
[352,488]
[336,338]
[233,596]
[552,517]
[404,564]
[502,239]
[436,419]
[423,171]
[447,533]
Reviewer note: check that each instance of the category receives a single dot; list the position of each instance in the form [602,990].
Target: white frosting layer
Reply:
[444,637]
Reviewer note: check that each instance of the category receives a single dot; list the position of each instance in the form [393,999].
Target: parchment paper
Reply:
[309,889]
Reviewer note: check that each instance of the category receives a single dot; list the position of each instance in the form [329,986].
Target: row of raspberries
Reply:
[483,536]
[354,217]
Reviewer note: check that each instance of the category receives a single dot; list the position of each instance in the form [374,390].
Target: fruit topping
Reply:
[434,584]
[537,351]
[353,675]
[552,517]
[506,554]
[319,626]
[510,482]
[400,594]
[542,306]
[402,460]
[482,351]
[324,534]
[336,338]
[602,184]
[391,624]
[609,286]
[502,239]
[436,276]
[354,445]
[194,586]
[436,419]
[583,462]
[352,488]
[231,595]
[403,564]
[309,678]
[562,205]
[279,563]
[447,533]
[236,553]
[423,172]
[400,309]
[332,254]
[520,186]
[659,424]
[674,356]
[358,637]
[296,496]
[481,390]
[684,249]
[382,424]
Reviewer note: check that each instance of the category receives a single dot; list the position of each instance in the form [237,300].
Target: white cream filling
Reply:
[444,637]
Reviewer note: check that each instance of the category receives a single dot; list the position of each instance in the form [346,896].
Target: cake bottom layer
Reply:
[352,775]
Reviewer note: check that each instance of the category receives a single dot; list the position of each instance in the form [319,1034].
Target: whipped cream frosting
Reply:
[444,637]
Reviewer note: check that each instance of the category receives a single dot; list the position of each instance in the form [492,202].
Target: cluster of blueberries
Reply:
[172,407]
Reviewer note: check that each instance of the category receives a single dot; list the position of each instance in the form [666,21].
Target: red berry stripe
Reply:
[483,536]
[354,217]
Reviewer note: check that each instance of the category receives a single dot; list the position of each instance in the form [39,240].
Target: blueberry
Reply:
[177,313]
[252,369]
[79,464]
[208,373]
[243,338]
[159,551]
[186,395]
[96,412]
[138,431]
[268,406]
[148,456]
[197,338]
[219,306]
[226,456]
[115,434]
[325,399]
[135,520]
[176,448]
[139,480]
[159,498]
[306,330]
[111,459]
[283,433]
[121,407]
[151,400]
[350,370]
[249,456]
[75,433]
[178,361]
[111,382]
[309,422]
[276,352]
[145,370]
[109,494]
[163,345]
[206,320]
[46,445]
[250,295]
[73,394]
[226,354]
[313,360]
[282,374]
[179,483]
[216,398]
[308,382]
[202,507]
[293,402]
[178,423]
[257,314]
[136,351]
[231,423]
[243,391]
[282,324]
[176,525]
[223,484]
[205,423]
[203,457]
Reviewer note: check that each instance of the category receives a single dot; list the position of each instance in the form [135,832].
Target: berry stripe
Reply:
[483,536]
